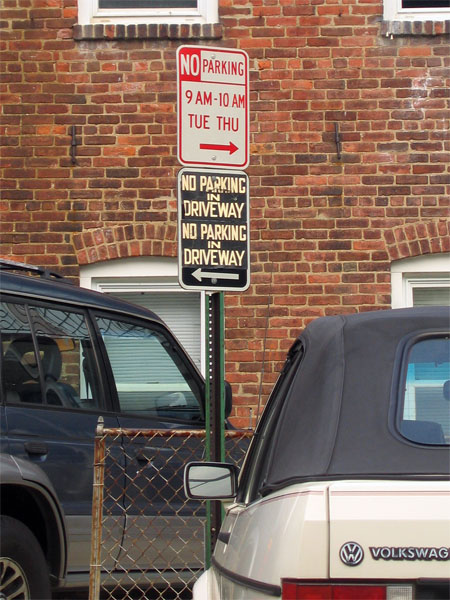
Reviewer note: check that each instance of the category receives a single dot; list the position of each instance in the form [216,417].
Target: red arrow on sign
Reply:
[230,147]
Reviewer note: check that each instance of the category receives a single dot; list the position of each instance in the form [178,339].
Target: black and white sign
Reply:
[213,107]
[213,229]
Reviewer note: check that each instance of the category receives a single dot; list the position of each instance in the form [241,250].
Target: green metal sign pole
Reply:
[215,407]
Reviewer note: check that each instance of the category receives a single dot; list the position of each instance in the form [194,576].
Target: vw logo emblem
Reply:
[351,554]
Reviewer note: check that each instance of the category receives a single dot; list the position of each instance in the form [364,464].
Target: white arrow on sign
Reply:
[199,275]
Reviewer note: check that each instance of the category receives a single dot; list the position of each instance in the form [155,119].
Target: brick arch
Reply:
[415,239]
[124,241]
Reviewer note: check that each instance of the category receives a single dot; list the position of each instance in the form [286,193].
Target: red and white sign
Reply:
[213,107]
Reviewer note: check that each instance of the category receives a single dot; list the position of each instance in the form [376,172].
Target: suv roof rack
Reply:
[12,265]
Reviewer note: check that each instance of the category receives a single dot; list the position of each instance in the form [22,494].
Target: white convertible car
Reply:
[344,493]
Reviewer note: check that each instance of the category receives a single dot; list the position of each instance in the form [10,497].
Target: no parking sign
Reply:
[213,229]
[213,107]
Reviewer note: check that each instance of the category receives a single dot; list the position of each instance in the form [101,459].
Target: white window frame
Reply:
[431,270]
[149,274]
[89,13]
[393,11]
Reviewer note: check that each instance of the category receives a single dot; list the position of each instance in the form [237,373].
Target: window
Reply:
[150,376]
[147,11]
[154,284]
[426,404]
[416,10]
[421,281]
[53,368]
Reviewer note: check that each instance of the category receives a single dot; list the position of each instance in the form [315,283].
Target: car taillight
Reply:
[295,590]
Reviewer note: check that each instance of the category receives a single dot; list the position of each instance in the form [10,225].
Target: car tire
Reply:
[22,563]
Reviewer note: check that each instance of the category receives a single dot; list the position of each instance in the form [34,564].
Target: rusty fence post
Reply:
[97,512]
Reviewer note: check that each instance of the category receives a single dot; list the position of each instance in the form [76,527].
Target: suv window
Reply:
[150,376]
[425,415]
[47,357]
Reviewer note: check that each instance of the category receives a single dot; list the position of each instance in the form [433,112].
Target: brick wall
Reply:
[326,219]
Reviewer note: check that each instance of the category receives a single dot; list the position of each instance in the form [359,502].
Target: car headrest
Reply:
[19,361]
[51,358]
[446,390]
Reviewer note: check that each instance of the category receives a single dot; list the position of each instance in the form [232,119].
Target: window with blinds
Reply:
[180,311]
[149,373]
[426,4]
[92,12]
[431,296]
[426,413]
[152,282]
[421,280]
[416,10]
[164,4]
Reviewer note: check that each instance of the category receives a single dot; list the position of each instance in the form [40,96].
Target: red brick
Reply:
[323,229]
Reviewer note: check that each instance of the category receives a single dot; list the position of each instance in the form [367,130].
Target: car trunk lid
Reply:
[389,529]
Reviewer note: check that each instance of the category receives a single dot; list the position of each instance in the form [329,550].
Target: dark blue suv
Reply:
[69,356]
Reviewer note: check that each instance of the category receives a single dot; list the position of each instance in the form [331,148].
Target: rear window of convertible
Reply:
[424,415]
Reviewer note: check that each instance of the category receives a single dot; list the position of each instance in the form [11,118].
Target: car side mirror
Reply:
[210,481]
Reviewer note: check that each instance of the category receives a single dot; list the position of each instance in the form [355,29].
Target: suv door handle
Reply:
[145,454]
[36,448]
[152,457]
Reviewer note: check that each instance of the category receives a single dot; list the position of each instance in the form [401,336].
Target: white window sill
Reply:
[173,31]
[402,28]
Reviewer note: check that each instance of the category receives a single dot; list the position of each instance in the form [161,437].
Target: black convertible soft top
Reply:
[338,418]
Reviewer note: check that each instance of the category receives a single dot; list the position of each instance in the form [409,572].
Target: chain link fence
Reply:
[147,538]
